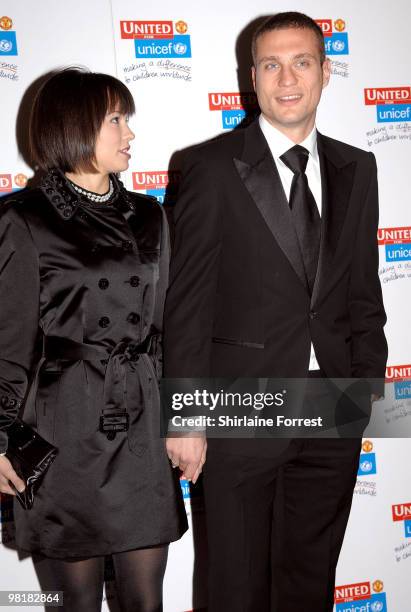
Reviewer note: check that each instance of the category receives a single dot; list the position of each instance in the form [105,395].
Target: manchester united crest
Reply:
[181,27]
[378,586]
[6,23]
[20,180]
[367,446]
[339,25]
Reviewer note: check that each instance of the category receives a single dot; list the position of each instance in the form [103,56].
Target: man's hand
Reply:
[7,474]
[189,454]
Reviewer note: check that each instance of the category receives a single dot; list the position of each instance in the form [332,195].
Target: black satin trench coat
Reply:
[81,298]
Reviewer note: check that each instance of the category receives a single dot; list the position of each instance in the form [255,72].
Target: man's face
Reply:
[288,79]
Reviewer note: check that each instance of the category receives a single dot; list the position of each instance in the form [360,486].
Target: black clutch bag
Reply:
[31,456]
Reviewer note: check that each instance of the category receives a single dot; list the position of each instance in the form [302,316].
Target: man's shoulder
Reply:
[345,151]
[220,148]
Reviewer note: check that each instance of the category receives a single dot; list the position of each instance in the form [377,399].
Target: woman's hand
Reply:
[7,474]
[188,453]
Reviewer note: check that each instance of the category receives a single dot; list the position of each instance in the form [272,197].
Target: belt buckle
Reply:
[112,422]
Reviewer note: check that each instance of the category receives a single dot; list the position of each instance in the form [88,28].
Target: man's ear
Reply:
[326,67]
[253,76]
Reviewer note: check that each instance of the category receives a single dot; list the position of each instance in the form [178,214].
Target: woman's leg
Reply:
[80,580]
[139,578]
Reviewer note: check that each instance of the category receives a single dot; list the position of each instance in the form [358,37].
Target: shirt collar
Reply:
[279,143]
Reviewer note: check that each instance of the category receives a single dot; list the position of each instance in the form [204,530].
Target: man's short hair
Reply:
[67,115]
[282,21]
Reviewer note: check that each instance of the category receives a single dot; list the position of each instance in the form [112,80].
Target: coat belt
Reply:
[126,357]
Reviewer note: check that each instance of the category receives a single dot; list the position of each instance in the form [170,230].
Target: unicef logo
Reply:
[366,466]
[180,48]
[338,46]
[5,45]
[377,606]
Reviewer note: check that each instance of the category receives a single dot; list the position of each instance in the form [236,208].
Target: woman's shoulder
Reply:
[15,206]
[143,200]
[144,206]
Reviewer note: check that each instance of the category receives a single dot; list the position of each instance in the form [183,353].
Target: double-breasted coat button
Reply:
[133,318]
[134,281]
[104,322]
[103,283]
[127,245]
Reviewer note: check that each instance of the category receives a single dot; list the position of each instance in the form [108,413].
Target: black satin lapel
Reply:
[337,183]
[264,185]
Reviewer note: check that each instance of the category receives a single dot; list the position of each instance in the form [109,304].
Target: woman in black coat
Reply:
[83,273]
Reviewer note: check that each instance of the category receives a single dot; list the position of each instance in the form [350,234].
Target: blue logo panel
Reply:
[389,113]
[185,487]
[8,43]
[178,46]
[160,194]
[232,118]
[376,603]
[407,528]
[402,389]
[367,464]
[336,44]
[398,252]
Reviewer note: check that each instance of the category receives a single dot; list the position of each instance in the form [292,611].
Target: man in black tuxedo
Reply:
[275,274]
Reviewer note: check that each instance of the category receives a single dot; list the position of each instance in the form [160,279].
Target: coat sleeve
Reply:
[19,315]
[190,304]
[156,347]
[367,314]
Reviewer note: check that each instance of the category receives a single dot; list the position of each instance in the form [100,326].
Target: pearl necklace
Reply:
[94,197]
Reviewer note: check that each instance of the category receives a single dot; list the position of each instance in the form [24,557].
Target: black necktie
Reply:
[304,210]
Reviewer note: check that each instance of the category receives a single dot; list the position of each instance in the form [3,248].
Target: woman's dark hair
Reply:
[289,19]
[67,115]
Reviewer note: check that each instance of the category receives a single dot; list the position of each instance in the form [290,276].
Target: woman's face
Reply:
[113,144]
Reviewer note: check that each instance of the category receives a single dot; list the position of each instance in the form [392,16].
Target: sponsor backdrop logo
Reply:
[361,597]
[401,377]
[233,106]
[8,40]
[185,488]
[155,182]
[335,36]
[397,242]
[158,39]
[402,512]
[10,183]
[392,103]
[367,464]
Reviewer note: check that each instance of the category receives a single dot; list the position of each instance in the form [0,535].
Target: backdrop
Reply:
[186,64]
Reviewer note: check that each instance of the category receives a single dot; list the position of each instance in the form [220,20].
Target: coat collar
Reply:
[259,174]
[67,200]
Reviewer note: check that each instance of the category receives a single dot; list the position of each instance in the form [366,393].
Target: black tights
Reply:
[139,580]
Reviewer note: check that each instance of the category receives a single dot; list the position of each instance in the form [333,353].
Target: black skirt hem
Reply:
[82,553]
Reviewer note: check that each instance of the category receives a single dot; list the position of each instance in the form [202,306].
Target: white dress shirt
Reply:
[279,144]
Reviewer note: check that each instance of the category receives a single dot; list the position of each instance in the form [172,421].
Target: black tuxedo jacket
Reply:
[238,304]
